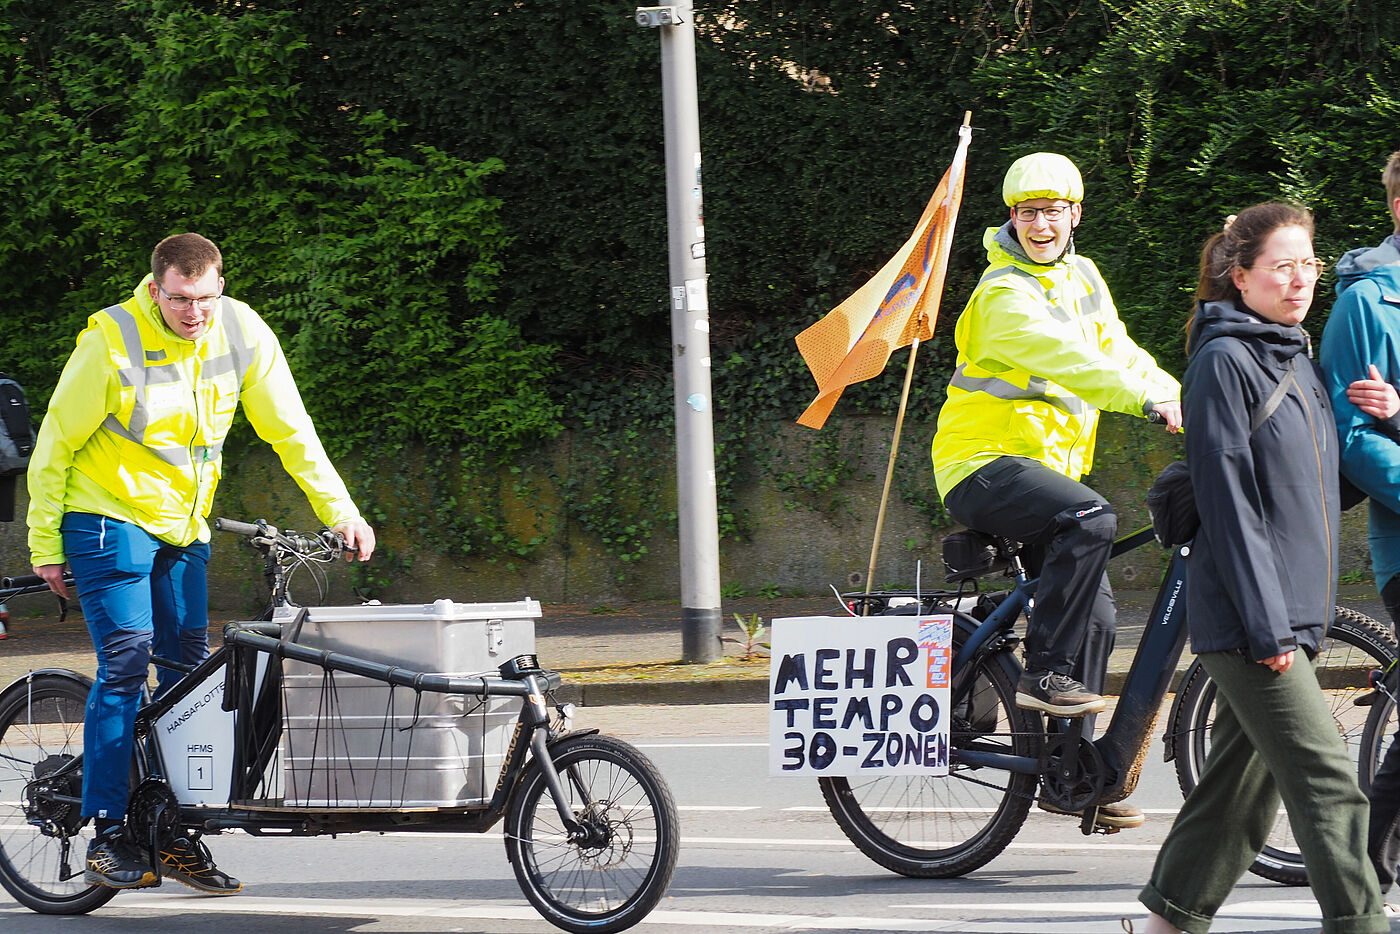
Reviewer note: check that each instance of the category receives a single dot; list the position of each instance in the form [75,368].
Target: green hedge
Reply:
[453,210]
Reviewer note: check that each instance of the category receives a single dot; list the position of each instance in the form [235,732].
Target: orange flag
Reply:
[899,304]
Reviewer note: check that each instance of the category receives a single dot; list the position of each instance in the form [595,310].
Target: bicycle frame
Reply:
[1127,736]
[263,737]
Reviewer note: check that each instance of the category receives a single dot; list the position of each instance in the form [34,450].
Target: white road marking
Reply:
[763,745]
[1086,913]
[693,839]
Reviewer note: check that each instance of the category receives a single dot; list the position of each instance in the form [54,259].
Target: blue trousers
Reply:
[137,593]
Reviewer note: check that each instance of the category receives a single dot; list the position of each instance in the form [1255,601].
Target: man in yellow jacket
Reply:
[1040,352]
[120,486]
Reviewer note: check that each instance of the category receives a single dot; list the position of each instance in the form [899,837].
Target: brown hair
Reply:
[189,254]
[1237,245]
[1390,177]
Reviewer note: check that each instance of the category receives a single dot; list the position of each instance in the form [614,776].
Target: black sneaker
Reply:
[1056,694]
[188,861]
[114,861]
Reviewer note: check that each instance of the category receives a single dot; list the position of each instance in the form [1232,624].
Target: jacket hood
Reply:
[1005,237]
[1381,261]
[1272,344]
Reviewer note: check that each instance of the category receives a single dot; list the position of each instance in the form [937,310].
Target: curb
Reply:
[624,693]
[723,691]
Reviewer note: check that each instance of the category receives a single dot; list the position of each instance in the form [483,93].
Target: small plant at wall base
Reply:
[753,629]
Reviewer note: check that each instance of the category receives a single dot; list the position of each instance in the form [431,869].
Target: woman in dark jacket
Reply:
[1261,446]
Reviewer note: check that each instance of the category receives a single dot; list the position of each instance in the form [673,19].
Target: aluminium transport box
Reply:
[351,741]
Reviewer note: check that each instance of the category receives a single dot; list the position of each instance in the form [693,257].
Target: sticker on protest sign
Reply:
[860,695]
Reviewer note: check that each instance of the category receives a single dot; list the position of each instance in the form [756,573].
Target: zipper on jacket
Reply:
[1321,482]
[195,465]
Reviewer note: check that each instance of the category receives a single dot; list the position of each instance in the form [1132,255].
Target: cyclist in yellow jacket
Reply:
[1040,352]
[120,487]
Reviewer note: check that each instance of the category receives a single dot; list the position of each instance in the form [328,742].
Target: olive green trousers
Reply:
[1273,739]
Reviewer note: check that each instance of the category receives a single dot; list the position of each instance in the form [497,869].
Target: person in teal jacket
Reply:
[1361,356]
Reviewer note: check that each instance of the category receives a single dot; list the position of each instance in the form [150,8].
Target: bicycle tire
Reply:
[939,827]
[1376,739]
[614,880]
[41,727]
[1355,644]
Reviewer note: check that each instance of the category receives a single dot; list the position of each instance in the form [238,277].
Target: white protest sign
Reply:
[862,695]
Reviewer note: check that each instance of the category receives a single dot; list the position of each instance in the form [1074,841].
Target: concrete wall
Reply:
[799,543]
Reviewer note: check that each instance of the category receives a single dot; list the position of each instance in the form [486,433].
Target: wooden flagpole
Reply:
[889,469]
[894,442]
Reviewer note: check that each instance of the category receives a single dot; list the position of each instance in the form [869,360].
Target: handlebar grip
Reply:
[238,528]
[24,580]
[1156,417]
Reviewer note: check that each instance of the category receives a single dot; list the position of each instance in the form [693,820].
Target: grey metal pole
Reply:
[690,336]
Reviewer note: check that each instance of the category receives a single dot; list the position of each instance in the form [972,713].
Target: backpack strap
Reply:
[1271,404]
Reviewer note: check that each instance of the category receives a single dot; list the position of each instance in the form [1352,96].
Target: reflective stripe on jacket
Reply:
[1040,352]
[136,426]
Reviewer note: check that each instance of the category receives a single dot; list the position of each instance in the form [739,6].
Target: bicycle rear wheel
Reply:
[935,828]
[1355,645]
[43,838]
[613,876]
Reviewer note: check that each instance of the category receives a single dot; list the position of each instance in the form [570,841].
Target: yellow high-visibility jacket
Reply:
[136,425]
[1040,352]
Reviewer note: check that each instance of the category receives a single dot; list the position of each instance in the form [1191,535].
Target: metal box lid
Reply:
[439,610]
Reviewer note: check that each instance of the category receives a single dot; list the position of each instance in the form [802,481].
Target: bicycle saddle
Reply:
[970,553]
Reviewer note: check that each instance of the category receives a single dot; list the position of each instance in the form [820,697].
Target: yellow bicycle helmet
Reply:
[1042,175]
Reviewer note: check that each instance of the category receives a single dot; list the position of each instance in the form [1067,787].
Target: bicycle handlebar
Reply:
[240,528]
[325,540]
[24,580]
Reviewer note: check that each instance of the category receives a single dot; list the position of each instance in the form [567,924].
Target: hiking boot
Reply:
[188,861]
[1111,817]
[116,862]
[1056,694]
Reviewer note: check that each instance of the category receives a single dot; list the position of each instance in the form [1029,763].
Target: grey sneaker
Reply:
[188,861]
[1110,817]
[1056,694]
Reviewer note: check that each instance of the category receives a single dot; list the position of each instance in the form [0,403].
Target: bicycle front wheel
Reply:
[936,828]
[1355,645]
[43,837]
[618,865]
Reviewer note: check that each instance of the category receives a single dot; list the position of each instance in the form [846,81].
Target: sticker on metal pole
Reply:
[696,297]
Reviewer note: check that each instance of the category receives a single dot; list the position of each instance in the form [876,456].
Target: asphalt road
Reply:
[759,853]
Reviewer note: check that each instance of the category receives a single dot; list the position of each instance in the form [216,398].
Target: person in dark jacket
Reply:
[1261,446]
[1361,356]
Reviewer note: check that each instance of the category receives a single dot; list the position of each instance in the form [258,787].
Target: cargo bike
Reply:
[330,720]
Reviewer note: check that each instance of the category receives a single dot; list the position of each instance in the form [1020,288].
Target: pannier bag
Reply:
[16,430]
[1172,503]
